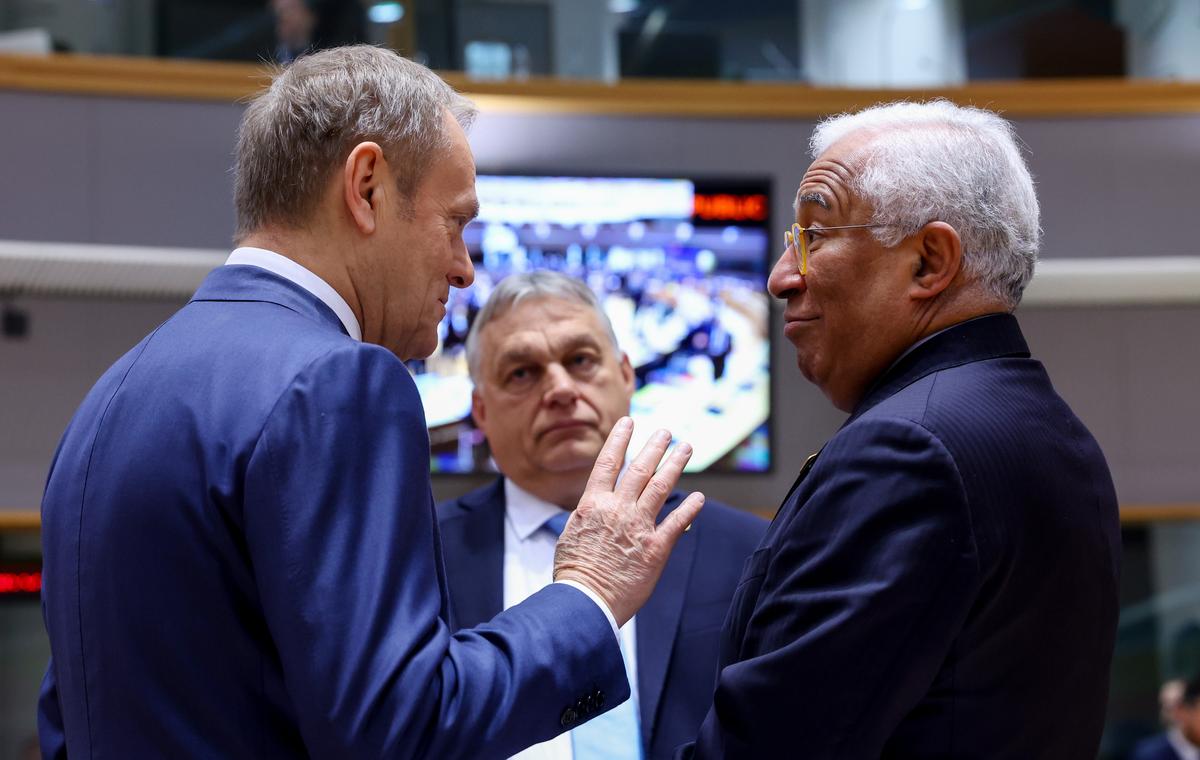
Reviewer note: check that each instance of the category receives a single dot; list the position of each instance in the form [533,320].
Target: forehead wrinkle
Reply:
[531,344]
[521,345]
[829,180]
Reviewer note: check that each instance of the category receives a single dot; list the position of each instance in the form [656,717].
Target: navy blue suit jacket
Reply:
[242,560]
[942,583]
[678,630]
[1154,748]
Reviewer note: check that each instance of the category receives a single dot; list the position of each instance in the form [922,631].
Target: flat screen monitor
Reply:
[680,267]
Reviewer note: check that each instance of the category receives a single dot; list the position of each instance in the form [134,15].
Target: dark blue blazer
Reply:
[678,630]
[942,583]
[1154,748]
[242,560]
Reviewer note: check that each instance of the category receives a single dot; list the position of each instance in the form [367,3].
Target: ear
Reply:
[362,176]
[478,410]
[627,377]
[939,260]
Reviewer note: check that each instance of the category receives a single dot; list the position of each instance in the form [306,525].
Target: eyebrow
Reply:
[464,205]
[516,355]
[472,209]
[525,353]
[816,198]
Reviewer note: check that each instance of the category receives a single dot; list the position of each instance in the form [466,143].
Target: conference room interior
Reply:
[673,135]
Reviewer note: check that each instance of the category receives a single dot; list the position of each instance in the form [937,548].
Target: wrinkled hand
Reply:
[611,543]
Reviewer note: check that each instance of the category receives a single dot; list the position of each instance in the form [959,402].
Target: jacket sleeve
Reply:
[342,534]
[861,585]
[52,739]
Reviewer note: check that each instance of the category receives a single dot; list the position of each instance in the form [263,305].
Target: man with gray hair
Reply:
[550,383]
[942,579]
[241,549]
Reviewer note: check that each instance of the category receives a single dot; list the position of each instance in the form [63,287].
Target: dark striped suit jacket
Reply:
[941,584]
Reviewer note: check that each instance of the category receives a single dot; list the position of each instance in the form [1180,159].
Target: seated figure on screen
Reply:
[550,381]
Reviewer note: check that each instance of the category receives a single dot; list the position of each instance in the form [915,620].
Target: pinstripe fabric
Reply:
[942,583]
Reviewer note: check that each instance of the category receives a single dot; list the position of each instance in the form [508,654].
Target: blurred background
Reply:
[852,42]
[117,120]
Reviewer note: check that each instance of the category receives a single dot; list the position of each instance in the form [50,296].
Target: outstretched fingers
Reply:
[611,457]
[642,468]
[680,519]
[655,493]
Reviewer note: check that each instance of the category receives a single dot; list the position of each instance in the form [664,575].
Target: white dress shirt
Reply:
[528,567]
[1181,745]
[293,272]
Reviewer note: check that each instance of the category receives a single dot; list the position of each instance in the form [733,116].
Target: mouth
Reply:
[794,323]
[563,425]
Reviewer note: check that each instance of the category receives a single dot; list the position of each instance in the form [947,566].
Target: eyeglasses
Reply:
[799,239]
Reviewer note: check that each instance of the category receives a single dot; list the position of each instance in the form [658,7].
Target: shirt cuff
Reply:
[599,603]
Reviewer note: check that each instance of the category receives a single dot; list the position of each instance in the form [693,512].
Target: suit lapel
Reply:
[808,465]
[476,569]
[658,624]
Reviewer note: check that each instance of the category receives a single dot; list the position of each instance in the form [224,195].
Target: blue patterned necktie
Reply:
[613,735]
[556,523]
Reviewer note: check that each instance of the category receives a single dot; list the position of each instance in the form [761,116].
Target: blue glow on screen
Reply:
[687,300]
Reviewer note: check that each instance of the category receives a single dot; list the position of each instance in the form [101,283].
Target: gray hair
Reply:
[937,161]
[540,283]
[296,133]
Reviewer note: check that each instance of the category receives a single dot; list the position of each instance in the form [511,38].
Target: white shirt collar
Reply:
[1186,749]
[293,272]
[525,511]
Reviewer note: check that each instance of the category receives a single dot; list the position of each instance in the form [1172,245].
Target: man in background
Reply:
[302,26]
[550,382]
[942,580]
[1180,706]
[241,554]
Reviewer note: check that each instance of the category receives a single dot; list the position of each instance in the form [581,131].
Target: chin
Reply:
[806,370]
[570,458]
[419,348]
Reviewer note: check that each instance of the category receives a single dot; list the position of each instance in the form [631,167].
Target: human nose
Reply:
[463,272]
[785,279]
[561,388]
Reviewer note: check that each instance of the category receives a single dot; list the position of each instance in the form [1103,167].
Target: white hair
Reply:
[540,283]
[937,161]
[300,129]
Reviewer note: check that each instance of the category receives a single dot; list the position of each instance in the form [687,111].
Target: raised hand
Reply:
[611,544]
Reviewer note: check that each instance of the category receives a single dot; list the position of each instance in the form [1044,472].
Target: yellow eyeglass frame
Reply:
[798,233]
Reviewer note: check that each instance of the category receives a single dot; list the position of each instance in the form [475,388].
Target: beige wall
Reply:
[115,170]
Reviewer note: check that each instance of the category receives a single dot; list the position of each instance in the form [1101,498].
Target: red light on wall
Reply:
[728,207]
[20,583]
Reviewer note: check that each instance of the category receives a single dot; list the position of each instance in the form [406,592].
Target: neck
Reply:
[951,309]
[930,317]
[564,490]
[310,249]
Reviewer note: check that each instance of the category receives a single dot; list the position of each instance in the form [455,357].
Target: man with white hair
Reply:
[942,579]
[241,549]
